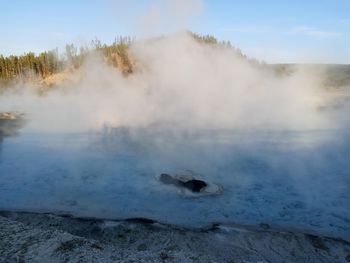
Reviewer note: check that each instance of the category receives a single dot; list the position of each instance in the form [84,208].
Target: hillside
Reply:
[51,68]
[337,75]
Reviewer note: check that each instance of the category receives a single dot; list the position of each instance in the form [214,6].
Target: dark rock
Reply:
[194,185]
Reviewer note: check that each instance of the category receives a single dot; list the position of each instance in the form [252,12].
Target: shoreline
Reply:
[35,237]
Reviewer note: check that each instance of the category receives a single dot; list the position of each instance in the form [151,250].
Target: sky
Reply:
[276,31]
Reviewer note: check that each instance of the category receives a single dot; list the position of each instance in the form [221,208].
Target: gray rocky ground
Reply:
[29,237]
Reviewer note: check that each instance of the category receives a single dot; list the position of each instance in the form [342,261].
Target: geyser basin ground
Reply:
[290,180]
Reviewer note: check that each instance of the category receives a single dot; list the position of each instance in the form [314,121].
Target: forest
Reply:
[31,66]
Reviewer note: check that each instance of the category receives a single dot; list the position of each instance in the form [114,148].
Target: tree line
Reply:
[31,66]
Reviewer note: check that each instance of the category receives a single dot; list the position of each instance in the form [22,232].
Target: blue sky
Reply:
[275,31]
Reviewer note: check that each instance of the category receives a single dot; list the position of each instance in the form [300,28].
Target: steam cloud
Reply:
[179,82]
[166,16]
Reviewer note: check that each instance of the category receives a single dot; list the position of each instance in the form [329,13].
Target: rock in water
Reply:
[10,123]
[193,184]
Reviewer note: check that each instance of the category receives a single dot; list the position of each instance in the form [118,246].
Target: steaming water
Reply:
[288,179]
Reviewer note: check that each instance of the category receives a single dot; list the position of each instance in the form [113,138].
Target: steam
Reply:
[168,116]
[168,16]
[178,82]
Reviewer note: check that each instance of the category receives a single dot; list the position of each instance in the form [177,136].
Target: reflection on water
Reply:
[287,179]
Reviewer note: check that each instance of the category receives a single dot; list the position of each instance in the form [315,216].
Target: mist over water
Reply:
[275,144]
[179,82]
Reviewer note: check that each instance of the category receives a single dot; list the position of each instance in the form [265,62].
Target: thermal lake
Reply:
[294,180]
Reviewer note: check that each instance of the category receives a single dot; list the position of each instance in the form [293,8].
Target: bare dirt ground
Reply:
[29,237]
